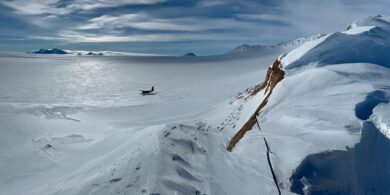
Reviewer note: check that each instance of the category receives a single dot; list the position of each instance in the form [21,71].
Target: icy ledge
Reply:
[381,118]
[357,170]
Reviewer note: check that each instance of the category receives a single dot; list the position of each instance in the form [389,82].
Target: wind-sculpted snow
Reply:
[379,20]
[363,110]
[357,85]
[381,118]
[362,169]
[340,48]
[369,46]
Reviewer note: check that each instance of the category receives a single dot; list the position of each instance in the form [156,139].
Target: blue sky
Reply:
[171,26]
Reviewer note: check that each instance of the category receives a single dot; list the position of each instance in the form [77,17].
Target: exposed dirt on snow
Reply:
[274,75]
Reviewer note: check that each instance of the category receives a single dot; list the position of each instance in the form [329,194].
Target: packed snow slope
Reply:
[77,125]
[364,41]
[331,104]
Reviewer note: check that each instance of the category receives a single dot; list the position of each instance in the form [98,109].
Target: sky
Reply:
[172,27]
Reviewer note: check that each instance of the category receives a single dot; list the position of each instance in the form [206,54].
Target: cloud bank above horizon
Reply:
[171,27]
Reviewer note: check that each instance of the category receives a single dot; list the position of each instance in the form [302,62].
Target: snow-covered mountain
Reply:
[247,47]
[49,51]
[311,121]
[89,53]
[287,44]
[329,102]
[302,40]
[365,41]
[190,55]
[107,53]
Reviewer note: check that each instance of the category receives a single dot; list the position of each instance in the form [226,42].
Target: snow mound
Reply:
[341,73]
[379,20]
[381,118]
[365,41]
[364,110]
[358,30]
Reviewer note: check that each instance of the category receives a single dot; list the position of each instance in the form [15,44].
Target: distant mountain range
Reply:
[49,51]
[190,55]
[293,43]
[88,53]
[242,48]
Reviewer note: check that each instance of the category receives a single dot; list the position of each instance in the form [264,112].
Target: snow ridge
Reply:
[286,44]
[381,118]
[364,41]
[273,77]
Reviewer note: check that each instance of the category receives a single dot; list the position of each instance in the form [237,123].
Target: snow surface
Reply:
[363,42]
[358,30]
[78,125]
[381,118]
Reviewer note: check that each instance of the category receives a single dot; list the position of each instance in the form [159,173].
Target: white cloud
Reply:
[77,37]
[39,7]
[261,17]
[146,22]
[211,3]
[139,21]
[31,7]
[316,16]
[248,21]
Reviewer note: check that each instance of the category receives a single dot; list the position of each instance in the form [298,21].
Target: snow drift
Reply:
[365,41]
